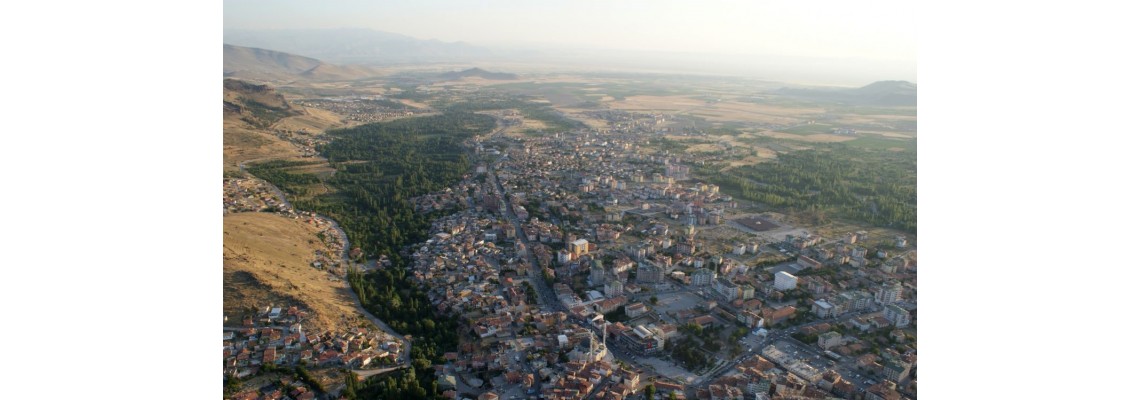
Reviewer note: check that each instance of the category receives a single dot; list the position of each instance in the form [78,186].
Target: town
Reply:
[584,267]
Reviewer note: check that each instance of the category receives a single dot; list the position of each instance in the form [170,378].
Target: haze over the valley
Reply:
[823,42]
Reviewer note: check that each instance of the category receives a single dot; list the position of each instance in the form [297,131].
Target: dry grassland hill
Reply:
[267,261]
[255,64]
[248,111]
[248,62]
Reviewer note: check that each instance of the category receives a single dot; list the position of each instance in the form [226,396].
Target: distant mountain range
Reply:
[268,65]
[356,46]
[881,93]
[478,73]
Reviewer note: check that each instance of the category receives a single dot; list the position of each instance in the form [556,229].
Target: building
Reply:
[896,370]
[900,241]
[636,310]
[564,257]
[828,340]
[579,247]
[808,262]
[597,272]
[897,315]
[785,281]
[614,288]
[726,288]
[821,308]
[648,272]
[889,293]
[739,249]
[747,291]
[643,340]
[773,317]
[702,277]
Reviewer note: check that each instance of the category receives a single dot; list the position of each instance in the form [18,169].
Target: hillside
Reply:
[246,61]
[257,64]
[881,93]
[478,73]
[894,93]
[266,261]
[248,111]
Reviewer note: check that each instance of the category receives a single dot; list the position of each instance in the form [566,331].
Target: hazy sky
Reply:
[883,31]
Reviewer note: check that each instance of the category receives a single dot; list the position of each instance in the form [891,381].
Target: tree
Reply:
[650,390]
[653,300]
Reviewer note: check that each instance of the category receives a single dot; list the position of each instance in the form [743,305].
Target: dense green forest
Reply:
[873,186]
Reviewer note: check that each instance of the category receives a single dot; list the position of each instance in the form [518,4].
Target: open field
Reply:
[886,143]
[242,143]
[526,125]
[807,137]
[718,111]
[266,261]
[313,121]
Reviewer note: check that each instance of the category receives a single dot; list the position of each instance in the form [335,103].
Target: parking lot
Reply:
[670,303]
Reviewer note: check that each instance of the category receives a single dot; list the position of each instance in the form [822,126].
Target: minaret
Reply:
[604,325]
[593,349]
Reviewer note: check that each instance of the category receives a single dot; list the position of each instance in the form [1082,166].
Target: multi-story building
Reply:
[739,249]
[614,288]
[597,272]
[862,300]
[648,272]
[702,277]
[821,308]
[785,281]
[643,340]
[564,257]
[747,291]
[889,293]
[726,288]
[828,340]
[895,369]
[579,247]
[898,316]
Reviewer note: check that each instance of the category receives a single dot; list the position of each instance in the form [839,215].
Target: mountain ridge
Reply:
[356,46]
[880,93]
